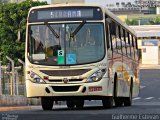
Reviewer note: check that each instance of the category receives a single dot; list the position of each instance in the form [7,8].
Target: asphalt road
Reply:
[145,107]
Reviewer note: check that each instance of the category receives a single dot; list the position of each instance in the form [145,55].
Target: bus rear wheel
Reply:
[128,100]
[107,102]
[47,103]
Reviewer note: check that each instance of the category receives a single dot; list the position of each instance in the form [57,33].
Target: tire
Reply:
[79,104]
[118,102]
[128,100]
[70,104]
[107,102]
[115,86]
[47,103]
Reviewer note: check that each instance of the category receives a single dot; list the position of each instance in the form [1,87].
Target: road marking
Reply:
[149,98]
[141,87]
[137,98]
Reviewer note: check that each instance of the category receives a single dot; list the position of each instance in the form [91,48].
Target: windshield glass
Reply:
[56,44]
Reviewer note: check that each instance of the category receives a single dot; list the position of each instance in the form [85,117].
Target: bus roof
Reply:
[104,9]
[115,18]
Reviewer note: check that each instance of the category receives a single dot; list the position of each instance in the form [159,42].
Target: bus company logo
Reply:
[65,80]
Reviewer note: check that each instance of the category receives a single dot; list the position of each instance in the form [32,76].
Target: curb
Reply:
[5,109]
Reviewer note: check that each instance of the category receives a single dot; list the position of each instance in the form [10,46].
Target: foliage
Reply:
[155,21]
[132,22]
[145,21]
[12,19]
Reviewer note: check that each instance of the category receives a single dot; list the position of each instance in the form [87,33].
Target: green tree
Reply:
[155,21]
[131,21]
[12,18]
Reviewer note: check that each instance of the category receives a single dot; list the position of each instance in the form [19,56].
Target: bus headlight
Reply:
[96,76]
[36,78]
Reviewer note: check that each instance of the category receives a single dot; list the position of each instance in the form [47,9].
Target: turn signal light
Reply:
[45,78]
[28,72]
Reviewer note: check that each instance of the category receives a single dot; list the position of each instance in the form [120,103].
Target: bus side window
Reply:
[124,46]
[117,36]
[112,29]
[119,41]
[108,33]
[136,43]
[135,49]
[128,43]
[132,46]
[132,41]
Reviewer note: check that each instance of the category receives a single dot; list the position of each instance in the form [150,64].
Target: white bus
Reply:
[80,52]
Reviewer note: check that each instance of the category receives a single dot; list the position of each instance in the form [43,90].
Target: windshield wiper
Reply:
[52,30]
[77,29]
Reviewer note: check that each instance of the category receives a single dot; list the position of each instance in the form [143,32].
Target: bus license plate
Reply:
[95,88]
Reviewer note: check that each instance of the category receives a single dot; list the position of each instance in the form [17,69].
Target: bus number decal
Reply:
[60,52]
[60,56]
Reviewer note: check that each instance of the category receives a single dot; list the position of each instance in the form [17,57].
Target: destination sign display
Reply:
[60,14]
[65,13]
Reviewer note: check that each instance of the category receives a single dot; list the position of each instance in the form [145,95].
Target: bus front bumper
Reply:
[60,90]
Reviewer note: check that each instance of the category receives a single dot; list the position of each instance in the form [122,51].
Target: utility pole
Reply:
[0,75]
[0,80]
[139,21]
[23,63]
[13,76]
[16,81]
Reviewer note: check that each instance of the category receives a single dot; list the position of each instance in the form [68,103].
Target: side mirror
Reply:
[112,26]
[19,36]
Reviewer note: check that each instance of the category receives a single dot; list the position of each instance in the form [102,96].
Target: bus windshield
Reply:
[55,44]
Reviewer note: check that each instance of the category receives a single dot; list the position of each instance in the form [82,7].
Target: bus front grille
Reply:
[65,88]
[65,72]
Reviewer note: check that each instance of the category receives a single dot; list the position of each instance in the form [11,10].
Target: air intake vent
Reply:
[64,72]
[65,88]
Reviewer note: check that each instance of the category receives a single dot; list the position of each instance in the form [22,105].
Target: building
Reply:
[148,43]
[120,6]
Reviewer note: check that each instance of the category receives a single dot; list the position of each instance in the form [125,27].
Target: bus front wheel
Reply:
[107,102]
[118,101]
[47,103]
[79,104]
[70,104]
